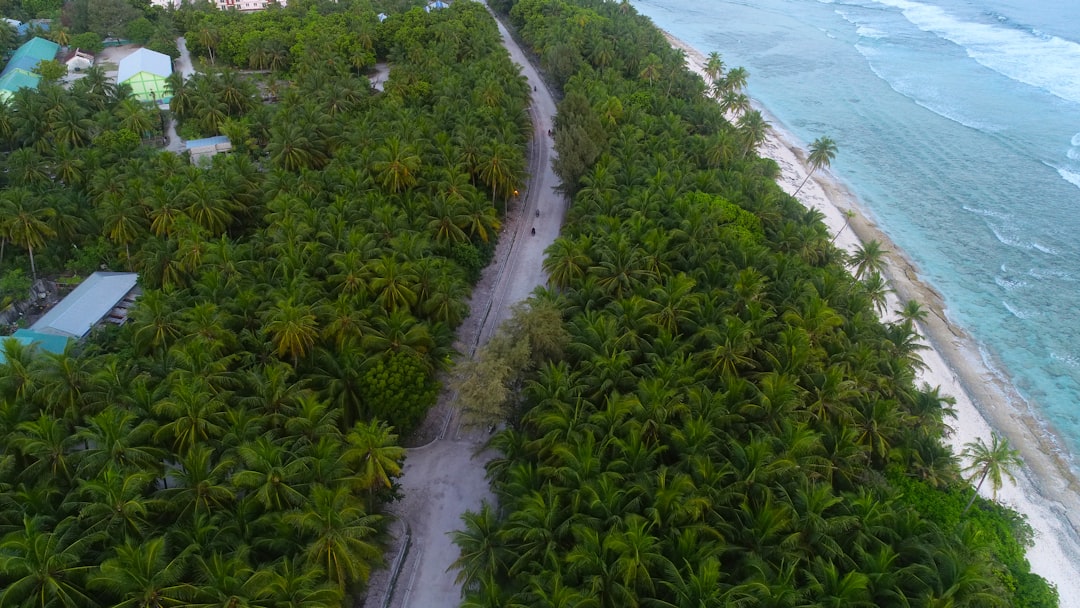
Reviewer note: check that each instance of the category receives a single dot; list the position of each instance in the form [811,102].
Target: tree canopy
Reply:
[236,441]
[731,422]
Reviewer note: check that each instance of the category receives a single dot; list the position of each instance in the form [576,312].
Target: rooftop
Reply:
[26,337]
[27,56]
[144,60]
[87,304]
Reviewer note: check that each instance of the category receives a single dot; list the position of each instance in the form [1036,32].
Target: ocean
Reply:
[958,126]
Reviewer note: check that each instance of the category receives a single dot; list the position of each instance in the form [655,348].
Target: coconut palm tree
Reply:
[142,575]
[373,454]
[752,130]
[28,226]
[990,461]
[45,568]
[822,152]
[339,535]
[868,259]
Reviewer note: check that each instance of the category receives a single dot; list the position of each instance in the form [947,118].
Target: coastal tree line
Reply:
[729,421]
[235,442]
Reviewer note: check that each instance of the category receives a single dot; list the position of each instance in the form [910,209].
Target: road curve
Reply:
[442,480]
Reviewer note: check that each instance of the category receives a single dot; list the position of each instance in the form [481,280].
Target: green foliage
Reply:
[139,31]
[41,8]
[398,389]
[109,18]
[489,384]
[220,443]
[14,286]
[730,422]
[51,70]
[87,41]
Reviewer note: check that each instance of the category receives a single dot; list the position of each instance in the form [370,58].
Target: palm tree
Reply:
[714,66]
[822,151]
[292,328]
[122,221]
[373,454]
[142,575]
[28,225]
[114,503]
[201,485]
[993,461]
[396,164]
[208,38]
[752,130]
[43,568]
[338,533]
[869,258]
[848,216]
[271,475]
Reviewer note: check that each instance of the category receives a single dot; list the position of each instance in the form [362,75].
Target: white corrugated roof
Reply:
[87,304]
[144,60]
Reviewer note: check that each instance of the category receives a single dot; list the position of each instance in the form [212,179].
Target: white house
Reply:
[78,60]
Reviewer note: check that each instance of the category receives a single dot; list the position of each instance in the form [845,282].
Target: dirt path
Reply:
[445,478]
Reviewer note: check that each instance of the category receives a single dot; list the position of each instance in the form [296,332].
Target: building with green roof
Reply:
[20,69]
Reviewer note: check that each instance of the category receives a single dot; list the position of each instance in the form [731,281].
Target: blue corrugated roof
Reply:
[207,141]
[86,304]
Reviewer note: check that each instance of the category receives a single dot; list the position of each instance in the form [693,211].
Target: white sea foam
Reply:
[1043,248]
[1073,154]
[1048,62]
[1009,284]
[1011,241]
[924,96]
[1050,273]
[1067,359]
[1016,312]
[1069,176]
[987,213]
[870,32]
[1075,140]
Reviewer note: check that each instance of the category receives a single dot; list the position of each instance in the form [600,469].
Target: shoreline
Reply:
[1047,489]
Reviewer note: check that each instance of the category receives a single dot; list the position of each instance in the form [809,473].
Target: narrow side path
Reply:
[442,480]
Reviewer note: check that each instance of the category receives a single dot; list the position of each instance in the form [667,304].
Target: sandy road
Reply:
[442,480]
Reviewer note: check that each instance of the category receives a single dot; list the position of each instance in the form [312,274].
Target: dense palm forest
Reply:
[234,443]
[731,424]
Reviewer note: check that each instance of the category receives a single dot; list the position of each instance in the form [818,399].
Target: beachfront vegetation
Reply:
[235,442]
[990,462]
[822,153]
[731,423]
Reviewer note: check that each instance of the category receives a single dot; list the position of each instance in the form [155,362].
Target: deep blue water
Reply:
[958,125]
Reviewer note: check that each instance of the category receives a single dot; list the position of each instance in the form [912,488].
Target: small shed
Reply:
[145,71]
[78,60]
[102,297]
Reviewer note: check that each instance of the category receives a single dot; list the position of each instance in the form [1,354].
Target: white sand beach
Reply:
[1047,491]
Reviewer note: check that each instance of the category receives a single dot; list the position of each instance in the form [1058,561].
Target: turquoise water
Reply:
[958,125]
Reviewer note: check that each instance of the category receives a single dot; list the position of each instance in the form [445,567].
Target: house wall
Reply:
[79,63]
[147,87]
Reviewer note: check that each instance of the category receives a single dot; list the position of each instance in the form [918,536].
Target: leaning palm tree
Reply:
[993,461]
[822,151]
[868,259]
[28,225]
